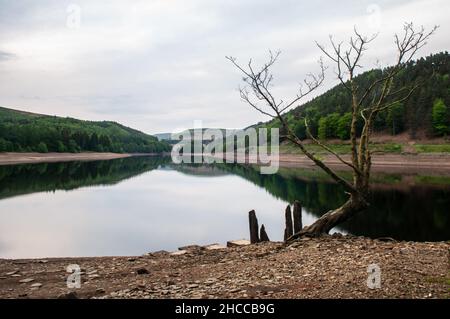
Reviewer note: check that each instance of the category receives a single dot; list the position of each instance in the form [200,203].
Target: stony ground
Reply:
[326,267]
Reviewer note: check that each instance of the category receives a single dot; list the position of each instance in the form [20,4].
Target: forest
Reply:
[30,132]
[424,114]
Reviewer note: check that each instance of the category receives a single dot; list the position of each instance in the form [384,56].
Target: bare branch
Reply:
[325,147]
[401,100]
[245,97]
[341,181]
[259,83]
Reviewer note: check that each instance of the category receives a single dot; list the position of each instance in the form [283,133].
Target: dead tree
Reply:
[263,234]
[253,223]
[288,230]
[297,217]
[366,103]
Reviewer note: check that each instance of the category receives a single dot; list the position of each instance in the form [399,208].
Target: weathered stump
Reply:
[253,222]
[298,225]
[262,234]
[288,231]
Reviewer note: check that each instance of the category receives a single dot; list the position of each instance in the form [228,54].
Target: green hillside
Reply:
[29,132]
[425,113]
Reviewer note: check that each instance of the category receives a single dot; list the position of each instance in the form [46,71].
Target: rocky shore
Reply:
[326,267]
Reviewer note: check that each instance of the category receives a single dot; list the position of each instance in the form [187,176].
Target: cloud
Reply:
[6,56]
[159,64]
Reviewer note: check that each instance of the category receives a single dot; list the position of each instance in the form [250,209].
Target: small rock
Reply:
[192,286]
[11,273]
[159,252]
[215,246]
[142,271]
[36,285]
[69,295]
[190,247]
[100,291]
[26,280]
[337,235]
[238,243]
[177,253]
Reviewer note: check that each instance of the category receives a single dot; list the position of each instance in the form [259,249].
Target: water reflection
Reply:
[417,211]
[135,205]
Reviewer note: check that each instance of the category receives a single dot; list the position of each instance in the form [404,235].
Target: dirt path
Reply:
[327,267]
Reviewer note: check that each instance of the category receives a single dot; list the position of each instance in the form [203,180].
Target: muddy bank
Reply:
[24,158]
[326,267]
[387,163]
[438,163]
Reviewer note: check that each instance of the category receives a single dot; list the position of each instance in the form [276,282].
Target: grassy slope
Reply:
[107,127]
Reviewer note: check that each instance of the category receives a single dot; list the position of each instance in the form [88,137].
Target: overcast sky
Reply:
[158,65]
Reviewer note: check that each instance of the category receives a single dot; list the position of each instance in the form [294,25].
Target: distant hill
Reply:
[30,132]
[168,136]
[163,136]
[426,113]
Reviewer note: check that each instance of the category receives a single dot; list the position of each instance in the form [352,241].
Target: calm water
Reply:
[137,205]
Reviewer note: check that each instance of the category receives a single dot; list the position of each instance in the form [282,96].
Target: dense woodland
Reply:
[426,113]
[29,132]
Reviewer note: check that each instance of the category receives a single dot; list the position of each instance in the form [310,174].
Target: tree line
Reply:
[28,132]
[425,111]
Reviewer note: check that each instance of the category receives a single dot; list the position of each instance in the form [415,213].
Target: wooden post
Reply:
[288,231]
[262,234]
[253,222]
[298,225]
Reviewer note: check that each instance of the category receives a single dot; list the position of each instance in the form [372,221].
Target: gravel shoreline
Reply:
[326,267]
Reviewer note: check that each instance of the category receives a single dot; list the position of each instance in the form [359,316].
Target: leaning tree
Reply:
[366,103]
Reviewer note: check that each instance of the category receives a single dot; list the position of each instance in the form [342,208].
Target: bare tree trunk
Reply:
[253,222]
[297,214]
[288,231]
[332,218]
[263,235]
